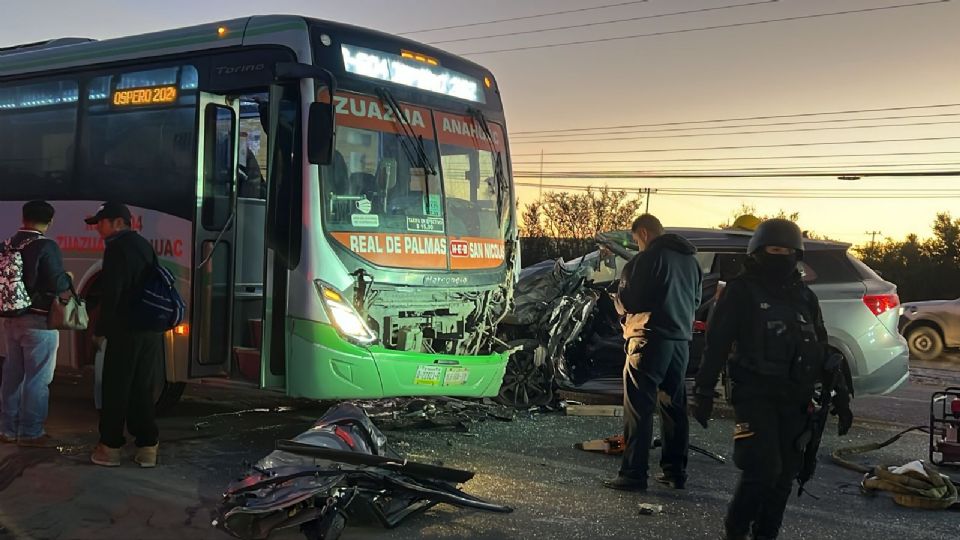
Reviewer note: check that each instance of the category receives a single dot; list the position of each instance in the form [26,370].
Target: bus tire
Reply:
[169,396]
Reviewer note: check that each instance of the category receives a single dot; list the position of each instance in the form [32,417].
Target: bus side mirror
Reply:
[320,134]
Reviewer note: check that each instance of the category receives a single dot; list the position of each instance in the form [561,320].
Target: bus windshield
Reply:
[378,200]
[468,165]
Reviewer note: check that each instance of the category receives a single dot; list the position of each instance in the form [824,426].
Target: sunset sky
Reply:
[901,58]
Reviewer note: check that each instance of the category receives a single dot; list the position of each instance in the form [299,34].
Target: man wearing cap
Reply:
[132,356]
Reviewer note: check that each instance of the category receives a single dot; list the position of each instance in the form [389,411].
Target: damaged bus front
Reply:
[416,263]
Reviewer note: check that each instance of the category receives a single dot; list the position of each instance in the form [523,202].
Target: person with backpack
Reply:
[31,275]
[133,354]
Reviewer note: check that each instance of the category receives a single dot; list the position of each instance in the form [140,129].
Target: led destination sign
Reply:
[411,69]
[158,95]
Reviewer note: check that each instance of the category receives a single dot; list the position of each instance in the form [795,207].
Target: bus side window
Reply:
[218,164]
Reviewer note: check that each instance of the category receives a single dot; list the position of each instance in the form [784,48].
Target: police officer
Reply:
[772,322]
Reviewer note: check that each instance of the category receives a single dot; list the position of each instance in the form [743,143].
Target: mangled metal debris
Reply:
[437,413]
[340,469]
[204,421]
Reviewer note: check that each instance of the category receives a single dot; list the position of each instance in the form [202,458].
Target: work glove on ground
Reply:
[702,408]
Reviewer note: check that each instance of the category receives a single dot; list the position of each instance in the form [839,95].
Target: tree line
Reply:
[563,224]
[923,269]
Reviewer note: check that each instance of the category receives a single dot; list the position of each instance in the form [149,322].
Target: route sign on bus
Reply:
[145,96]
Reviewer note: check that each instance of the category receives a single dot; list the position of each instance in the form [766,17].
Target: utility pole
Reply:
[873,237]
[647,192]
[541,174]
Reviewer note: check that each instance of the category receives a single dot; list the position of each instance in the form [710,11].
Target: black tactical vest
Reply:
[784,338]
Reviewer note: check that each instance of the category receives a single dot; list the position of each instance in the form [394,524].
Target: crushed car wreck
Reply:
[566,330]
[340,469]
[567,335]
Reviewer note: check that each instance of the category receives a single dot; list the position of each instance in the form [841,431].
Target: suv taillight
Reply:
[881,303]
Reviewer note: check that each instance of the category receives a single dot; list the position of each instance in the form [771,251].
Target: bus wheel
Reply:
[525,384]
[168,396]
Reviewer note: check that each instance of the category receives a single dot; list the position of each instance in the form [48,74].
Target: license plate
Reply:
[428,375]
[456,376]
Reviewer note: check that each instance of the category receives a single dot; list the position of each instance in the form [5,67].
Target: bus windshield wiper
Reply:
[411,142]
[501,180]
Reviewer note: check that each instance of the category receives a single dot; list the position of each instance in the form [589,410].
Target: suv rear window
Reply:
[818,266]
[828,266]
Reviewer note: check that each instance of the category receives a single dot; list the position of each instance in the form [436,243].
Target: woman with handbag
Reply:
[32,264]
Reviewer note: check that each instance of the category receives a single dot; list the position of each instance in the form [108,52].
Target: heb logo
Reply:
[459,248]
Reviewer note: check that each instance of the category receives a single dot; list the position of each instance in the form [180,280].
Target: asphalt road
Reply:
[529,464]
[910,404]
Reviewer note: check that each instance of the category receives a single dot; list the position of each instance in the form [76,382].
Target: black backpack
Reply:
[160,307]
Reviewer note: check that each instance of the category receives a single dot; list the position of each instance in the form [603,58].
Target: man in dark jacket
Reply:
[659,293]
[31,347]
[132,356]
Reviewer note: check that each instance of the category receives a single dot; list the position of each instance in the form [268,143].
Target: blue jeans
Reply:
[27,374]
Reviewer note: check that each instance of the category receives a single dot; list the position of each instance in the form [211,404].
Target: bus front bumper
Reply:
[323,365]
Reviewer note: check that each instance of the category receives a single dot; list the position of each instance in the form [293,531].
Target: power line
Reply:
[522,18]
[601,23]
[882,166]
[751,193]
[725,134]
[774,191]
[705,28]
[746,158]
[745,118]
[735,126]
[881,174]
[784,145]
[820,191]
[804,166]
[742,194]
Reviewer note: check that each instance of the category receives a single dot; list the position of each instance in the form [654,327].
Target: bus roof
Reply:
[63,53]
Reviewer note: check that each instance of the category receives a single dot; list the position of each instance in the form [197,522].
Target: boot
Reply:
[625,483]
[105,456]
[675,482]
[147,456]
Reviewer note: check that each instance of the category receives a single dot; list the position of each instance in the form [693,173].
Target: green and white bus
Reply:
[336,202]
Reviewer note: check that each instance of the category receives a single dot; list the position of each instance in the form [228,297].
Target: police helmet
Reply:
[777,232]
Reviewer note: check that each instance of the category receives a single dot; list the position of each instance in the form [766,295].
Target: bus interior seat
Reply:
[363,183]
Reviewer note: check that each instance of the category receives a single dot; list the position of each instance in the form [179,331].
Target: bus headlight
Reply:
[343,315]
